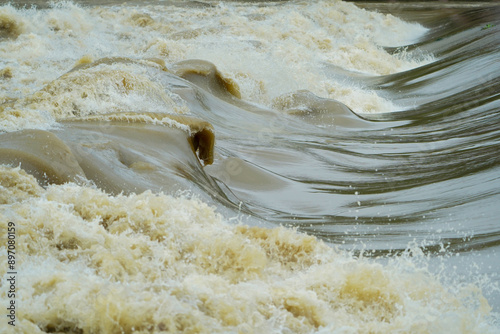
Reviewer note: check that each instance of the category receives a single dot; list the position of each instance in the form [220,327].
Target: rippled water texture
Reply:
[239,167]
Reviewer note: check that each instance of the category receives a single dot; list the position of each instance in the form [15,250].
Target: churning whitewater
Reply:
[249,167]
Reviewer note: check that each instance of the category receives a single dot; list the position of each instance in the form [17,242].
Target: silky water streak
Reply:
[242,167]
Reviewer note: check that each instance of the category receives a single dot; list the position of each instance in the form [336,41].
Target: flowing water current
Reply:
[250,167]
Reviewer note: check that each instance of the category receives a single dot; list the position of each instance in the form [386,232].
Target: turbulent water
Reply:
[250,167]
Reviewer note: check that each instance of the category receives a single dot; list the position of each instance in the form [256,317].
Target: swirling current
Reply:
[250,167]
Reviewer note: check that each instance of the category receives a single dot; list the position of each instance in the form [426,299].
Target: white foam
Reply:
[151,261]
[267,50]
[98,262]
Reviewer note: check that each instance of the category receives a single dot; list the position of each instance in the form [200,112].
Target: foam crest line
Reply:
[249,167]
[186,269]
[279,58]
[126,156]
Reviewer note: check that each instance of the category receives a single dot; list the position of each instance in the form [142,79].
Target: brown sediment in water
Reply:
[11,26]
[41,154]
[6,73]
[109,150]
[129,257]
[17,185]
[206,75]
[188,270]
[320,111]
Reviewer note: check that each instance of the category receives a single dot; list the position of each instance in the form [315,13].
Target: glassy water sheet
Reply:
[278,167]
[447,102]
